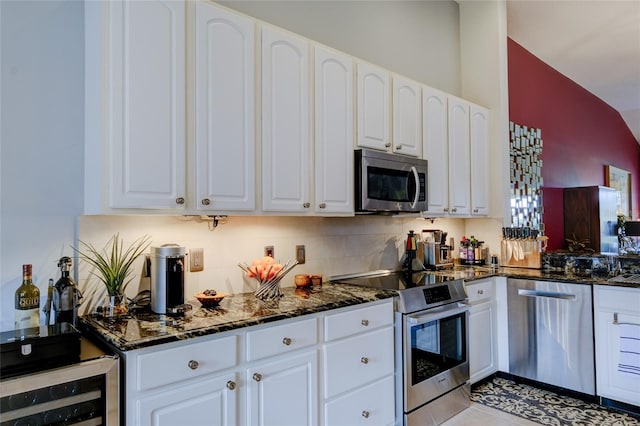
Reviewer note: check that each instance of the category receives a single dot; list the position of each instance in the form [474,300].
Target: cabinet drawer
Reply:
[370,405]
[358,360]
[185,362]
[617,299]
[281,339]
[478,291]
[357,321]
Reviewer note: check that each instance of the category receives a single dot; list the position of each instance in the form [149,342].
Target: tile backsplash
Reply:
[333,246]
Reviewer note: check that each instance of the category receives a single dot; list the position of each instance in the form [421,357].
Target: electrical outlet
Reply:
[300,255]
[269,251]
[196,260]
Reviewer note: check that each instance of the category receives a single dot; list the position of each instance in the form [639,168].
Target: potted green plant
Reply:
[113,264]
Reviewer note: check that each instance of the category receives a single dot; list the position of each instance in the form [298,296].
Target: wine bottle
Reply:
[27,301]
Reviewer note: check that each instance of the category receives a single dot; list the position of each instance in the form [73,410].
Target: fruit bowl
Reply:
[208,301]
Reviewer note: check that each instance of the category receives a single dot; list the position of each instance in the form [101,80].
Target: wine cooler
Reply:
[84,393]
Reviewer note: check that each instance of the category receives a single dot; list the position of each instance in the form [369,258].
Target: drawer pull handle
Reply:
[480,291]
[365,322]
[286,341]
[364,360]
[193,364]
[231,385]
[257,377]
[365,414]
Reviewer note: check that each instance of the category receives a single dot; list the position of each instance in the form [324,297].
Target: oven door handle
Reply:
[438,313]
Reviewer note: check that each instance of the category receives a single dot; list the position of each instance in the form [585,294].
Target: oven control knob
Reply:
[364,360]
[365,322]
[365,414]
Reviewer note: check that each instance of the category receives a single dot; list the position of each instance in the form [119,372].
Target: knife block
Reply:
[522,253]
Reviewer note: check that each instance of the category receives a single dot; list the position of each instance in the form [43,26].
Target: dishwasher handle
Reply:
[547,294]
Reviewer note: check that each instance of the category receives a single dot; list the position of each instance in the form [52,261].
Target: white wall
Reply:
[42,139]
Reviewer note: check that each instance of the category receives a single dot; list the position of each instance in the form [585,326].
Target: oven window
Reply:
[437,346]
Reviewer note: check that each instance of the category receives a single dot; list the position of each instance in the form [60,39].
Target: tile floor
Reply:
[480,415]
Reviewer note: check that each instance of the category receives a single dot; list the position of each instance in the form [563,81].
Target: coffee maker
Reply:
[167,279]
[437,254]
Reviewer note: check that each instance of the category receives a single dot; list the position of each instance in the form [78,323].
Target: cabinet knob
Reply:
[398,148]
[257,377]
[364,322]
[365,414]
[306,205]
[180,200]
[446,209]
[286,341]
[364,360]
[454,210]
[231,385]
[387,145]
[480,291]
[322,205]
[475,210]
[193,364]
[206,201]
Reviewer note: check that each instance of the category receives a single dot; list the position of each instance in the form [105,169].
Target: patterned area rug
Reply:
[545,407]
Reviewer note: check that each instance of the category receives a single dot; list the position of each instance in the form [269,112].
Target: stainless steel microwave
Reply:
[389,183]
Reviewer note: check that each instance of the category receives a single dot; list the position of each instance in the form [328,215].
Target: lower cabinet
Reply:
[483,348]
[616,320]
[331,368]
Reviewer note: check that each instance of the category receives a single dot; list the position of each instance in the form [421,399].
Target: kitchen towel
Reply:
[629,361]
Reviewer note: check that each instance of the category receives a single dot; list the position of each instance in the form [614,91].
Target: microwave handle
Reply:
[414,171]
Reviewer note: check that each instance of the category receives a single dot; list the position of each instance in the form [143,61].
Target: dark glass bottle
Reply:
[27,301]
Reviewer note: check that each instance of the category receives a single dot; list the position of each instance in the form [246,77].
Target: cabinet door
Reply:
[334,133]
[435,149]
[482,341]
[459,157]
[211,402]
[373,108]
[284,392]
[225,109]
[479,134]
[146,104]
[286,164]
[407,117]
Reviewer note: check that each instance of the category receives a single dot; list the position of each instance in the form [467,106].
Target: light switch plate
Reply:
[196,260]
[300,254]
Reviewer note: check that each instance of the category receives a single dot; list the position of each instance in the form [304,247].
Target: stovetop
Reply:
[424,290]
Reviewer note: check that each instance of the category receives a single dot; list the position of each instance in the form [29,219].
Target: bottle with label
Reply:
[27,301]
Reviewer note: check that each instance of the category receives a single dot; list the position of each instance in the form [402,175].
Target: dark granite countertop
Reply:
[142,328]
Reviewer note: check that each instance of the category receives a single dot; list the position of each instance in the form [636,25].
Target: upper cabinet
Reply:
[286,143]
[435,142]
[224,109]
[334,132]
[407,117]
[374,121]
[135,105]
[479,133]
[459,158]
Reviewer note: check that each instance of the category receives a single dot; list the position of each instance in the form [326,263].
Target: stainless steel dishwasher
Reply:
[551,333]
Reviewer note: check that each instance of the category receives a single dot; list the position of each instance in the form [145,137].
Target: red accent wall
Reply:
[580,132]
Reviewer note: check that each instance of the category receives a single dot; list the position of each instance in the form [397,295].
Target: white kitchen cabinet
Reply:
[407,116]
[284,392]
[358,366]
[334,132]
[459,157]
[213,399]
[483,340]
[373,117]
[479,133]
[224,109]
[135,105]
[615,308]
[286,143]
[435,149]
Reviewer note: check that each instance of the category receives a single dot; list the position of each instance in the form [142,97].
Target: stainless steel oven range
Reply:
[432,358]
